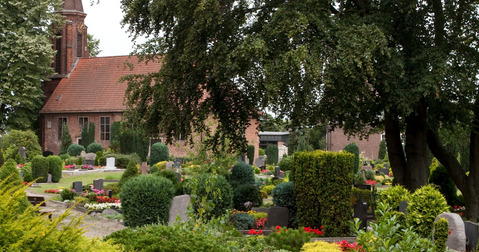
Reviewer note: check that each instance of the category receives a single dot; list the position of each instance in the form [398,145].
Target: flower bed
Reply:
[102,206]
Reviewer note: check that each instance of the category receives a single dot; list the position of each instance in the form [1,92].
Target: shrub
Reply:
[250,154]
[94,147]
[75,150]
[55,167]
[322,185]
[158,166]
[241,173]
[256,169]
[369,174]
[353,148]
[283,195]
[360,194]
[246,193]
[441,234]
[133,140]
[9,174]
[288,239]
[131,171]
[169,174]
[159,152]
[99,154]
[146,200]
[215,189]
[14,139]
[320,246]
[88,134]
[242,221]
[66,139]
[121,160]
[441,178]
[286,163]
[271,154]
[261,152]
[115,189]
[68,194]
[393,195]
[382,149]
[424,205]
[40,167]
[27,172]
[268,188]
[359,178]
[64,156]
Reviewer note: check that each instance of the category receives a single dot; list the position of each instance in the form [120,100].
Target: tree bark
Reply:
[394,145]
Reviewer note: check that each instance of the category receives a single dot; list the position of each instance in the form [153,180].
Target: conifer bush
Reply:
[283,195]
[27,172]
[250,154]
[159,152]
[169,174]
[55,167]
[241,173]
[246,193]
[130,172]
[354,149]
[382,150]
[40,167]
[272,154]
[94,148]
[146,200]
[75,150]
[66,139]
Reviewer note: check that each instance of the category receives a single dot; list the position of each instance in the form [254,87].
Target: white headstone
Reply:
[110,163]
[282,150]
[457,238]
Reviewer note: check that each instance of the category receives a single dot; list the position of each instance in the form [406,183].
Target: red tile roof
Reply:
[93,85]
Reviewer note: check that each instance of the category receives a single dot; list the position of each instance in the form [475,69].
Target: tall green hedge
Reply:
[322,184]
[354,149]
[159,152]
[55,166]
[40,166]
[250,154]
[382,150]
[272,154]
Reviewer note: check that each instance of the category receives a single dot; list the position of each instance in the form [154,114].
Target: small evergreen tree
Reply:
[250,154]
[91,133]
[130,172]
[354,149]
[84,136]
[272,154]
[382,150]
[159,152]
[66,139]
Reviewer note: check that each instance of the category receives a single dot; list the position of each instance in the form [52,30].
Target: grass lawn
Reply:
[67,181]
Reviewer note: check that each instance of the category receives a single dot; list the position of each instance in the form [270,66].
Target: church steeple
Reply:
[71,42]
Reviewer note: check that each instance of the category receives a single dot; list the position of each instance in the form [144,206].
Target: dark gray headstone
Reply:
[98,184]
[385,171]
[277,171]
[178,175]
[78,187]
[89,162]
[179,206]
[90,158]
[177,163]
[361,212]
[457,239]
[144,168]
[23,152]
[49,179]
[277,216]
[472,234]
[109,193]
[21,174]
[386,166]
[363,187]
[372,165]
[403,206]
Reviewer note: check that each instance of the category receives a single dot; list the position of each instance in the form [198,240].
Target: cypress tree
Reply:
[354,149]
[382,150]
[66,139]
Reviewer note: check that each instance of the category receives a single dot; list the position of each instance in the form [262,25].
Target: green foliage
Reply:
[250,154]
[29,231]
[68,194]
[241,173]
[440,177]
[211,194]
[75,150]
[441,234]
[64,156]
[322,185]
[146,200]
[321,246]
[353,148]
[364,195]
[246,193]
[1,158]
[130,172]
[268,189]
[169,174]
[27,172]
[99,155]
[288,239]
[271,154]
[369,174]
[94,148]
[256,169]
[134,141]
[93,45]
[359,178]
[40,167]
[9,174]
[283,195]
[242,221]
[66,139]
[382,150]
[424,205]
[393,195]
[159,152]
[15,139]
[115,189]
[55,167]
[261,152]
[286,163]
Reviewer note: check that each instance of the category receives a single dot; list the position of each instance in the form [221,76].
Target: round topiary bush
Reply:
[283,195]
[75,150]
[169,174]
[146,200]
[246,193]
[131,171]
[27,172]
[241,173]
[94,148]
[393,195]
[215,188]
[55,166]
[286,163]
[159,152]
[424,205]
[40,167]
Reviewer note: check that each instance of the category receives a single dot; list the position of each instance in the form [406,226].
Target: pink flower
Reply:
[371,182]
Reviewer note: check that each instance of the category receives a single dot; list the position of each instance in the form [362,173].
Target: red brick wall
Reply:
[369,148]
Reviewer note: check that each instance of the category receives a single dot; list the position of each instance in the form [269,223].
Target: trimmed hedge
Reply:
[146,200]
[241,173]
[159,152]
[75,150]
[271,154]
[40,167]
[354,149]
[94,148]
[250,154]
[55,166]
[322,184]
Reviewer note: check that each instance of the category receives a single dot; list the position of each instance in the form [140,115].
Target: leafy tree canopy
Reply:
[93,45]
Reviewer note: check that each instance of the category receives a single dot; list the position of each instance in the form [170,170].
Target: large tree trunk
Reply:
[394,145]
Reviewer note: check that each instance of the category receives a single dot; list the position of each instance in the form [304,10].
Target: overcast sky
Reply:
[103,22]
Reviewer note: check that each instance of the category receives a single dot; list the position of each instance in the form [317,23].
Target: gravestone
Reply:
[98,184]
[277,171]
[277,216]
[403,206]
[363,187]
[110,163]
[367,168]
[177,163]
[49,178]
[83,154]
[179,206]
[169,165]
[472,234]
[178,176]
[282,151]
[22,151]
[90,159]
[457,238]
[385,171]
[260,161]
[361,212]
[386,166]
[21,174]
[109,193]
[144,168]
[78,187]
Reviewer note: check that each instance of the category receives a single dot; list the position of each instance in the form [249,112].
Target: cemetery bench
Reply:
[39,199]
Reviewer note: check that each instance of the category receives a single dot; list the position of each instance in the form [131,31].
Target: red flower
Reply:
[449,232]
